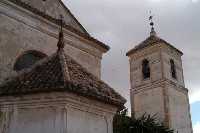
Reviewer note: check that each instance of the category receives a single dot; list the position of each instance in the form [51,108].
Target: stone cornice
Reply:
[57,100]
[159,83]
[150,41]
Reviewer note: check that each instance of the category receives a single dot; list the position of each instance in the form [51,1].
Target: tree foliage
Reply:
[146,124]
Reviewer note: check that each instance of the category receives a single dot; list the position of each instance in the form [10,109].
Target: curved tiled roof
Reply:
[151,40]
[60,73]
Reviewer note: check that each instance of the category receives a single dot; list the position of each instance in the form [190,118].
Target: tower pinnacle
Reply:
[152,33]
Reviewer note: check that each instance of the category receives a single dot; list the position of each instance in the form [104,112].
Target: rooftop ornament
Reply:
[152,33]
[61,44]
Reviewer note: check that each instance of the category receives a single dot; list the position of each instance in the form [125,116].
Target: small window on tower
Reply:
[173,69]
[27,59]
[145,69]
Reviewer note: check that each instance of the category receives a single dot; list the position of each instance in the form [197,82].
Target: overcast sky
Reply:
[122,24]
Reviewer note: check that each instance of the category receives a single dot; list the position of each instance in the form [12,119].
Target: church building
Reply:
[50,75]
[157,83]
[51,83]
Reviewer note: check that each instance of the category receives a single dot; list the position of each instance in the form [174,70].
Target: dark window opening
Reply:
[146,69]
[173,69]
[27,59]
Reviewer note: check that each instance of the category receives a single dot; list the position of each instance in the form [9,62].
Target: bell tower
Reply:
[157,83]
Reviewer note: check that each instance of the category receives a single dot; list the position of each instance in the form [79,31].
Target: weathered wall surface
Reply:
[153,56]
[50,120]
[86,122]
[179,109]
[21,31]
[55,113]
[149,101]
[167,54]
[144,97]
[54,8]
[34,121]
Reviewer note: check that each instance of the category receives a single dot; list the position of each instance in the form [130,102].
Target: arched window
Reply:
[145,69]
[27,59]
[173,69]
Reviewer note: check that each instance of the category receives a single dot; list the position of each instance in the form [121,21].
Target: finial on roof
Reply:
[152,33]
[61,37]
[44,6]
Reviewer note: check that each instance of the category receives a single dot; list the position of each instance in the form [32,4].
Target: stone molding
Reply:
[158,83]
[152,48]
[58,100]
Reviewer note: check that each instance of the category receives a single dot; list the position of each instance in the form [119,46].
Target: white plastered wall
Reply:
[55,113]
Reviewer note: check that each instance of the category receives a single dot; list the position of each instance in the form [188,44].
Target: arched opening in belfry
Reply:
[145,69]
[173,69]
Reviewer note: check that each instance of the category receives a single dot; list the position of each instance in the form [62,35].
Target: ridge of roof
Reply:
[56,21]
[60,73]
[151,40]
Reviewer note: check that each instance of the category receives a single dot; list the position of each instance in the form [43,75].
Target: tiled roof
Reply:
[59,73]
[151,40]
[56,21]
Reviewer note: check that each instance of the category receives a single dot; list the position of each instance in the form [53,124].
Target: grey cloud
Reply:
[122,24]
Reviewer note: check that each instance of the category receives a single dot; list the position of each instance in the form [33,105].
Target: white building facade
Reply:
[45,89]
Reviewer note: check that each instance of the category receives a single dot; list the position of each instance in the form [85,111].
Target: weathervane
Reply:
[152,33]
[61,37]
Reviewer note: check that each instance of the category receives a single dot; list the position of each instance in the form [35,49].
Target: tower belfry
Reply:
[157,82]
